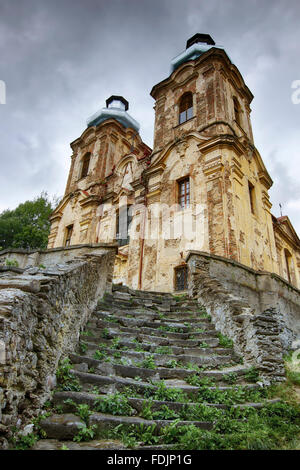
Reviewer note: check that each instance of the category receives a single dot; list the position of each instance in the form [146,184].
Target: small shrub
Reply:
[26,442]
[82,347]
[12,262]
[252,375]
[99,355]
[163,350]
[164,393]
[165,413]
[147,363]
[230,378]
[199,381]
[225,342]
[85,433]
[116,404]
[172,364]
[84,412]
[105,334]
[65,378]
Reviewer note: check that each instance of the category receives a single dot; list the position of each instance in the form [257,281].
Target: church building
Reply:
[203,186]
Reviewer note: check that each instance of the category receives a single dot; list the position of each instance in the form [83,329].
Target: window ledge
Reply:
[83,178]
[182,123]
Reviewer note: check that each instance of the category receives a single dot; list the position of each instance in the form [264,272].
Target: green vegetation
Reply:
[12,262]
[66,380]
[82,347]
[28,225]
[105,334]
[87,333]
[230,378]
[99,355]
[171,329]
[203,344]
[225,342]
[294,377]
[163,350]
[85,433]
[200,381]
[116,404]
[172,364]
[84,412]
[147,363]
[252,375]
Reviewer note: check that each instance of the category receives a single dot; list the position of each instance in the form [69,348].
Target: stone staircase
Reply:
[146,362]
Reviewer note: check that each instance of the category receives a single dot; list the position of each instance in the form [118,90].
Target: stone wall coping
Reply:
[205,254]
[60,248]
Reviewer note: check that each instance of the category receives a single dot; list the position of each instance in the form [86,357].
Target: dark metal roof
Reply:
[200,37]
[119,98]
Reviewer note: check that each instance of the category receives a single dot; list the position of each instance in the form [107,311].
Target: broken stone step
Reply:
[61,398]
[137,404]
[105,422]
[120,296]
[100,444]
[116,327]
[149,342]
[149,319]
[149,294]
[161,340]
[111,384]
[119,288]
[203,357]
[61,426]
[83,363]
[67,426]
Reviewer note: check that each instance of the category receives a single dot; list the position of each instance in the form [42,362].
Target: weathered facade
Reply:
[203,187]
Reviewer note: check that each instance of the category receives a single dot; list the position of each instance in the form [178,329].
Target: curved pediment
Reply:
[183,73]
[130,158]
[180,146]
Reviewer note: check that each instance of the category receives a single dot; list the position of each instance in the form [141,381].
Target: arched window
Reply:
[85,165]
[185,107]
[237,111]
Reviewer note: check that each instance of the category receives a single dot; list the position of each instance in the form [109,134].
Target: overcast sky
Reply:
[60,60]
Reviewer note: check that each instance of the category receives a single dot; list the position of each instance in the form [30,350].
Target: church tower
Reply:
[203,135]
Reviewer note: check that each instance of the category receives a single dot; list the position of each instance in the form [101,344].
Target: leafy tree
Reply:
[28,225]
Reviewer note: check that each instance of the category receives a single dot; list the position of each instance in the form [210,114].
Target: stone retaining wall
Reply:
[50,257]
[42,312]
[259,311]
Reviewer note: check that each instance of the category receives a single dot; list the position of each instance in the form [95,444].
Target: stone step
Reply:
[114,328]
[152,317]
[202,356]
[105,421]
[67,426]
[129,371]
[90,399]
[164,372]
[154,323]
[177,346]
[111,384]
[97,444]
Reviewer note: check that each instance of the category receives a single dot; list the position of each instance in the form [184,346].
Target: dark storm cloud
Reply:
[61,60]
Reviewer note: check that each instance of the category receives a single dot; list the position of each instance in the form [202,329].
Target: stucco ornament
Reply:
[127,179]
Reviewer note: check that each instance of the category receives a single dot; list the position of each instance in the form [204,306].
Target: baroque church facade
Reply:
[203,186]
